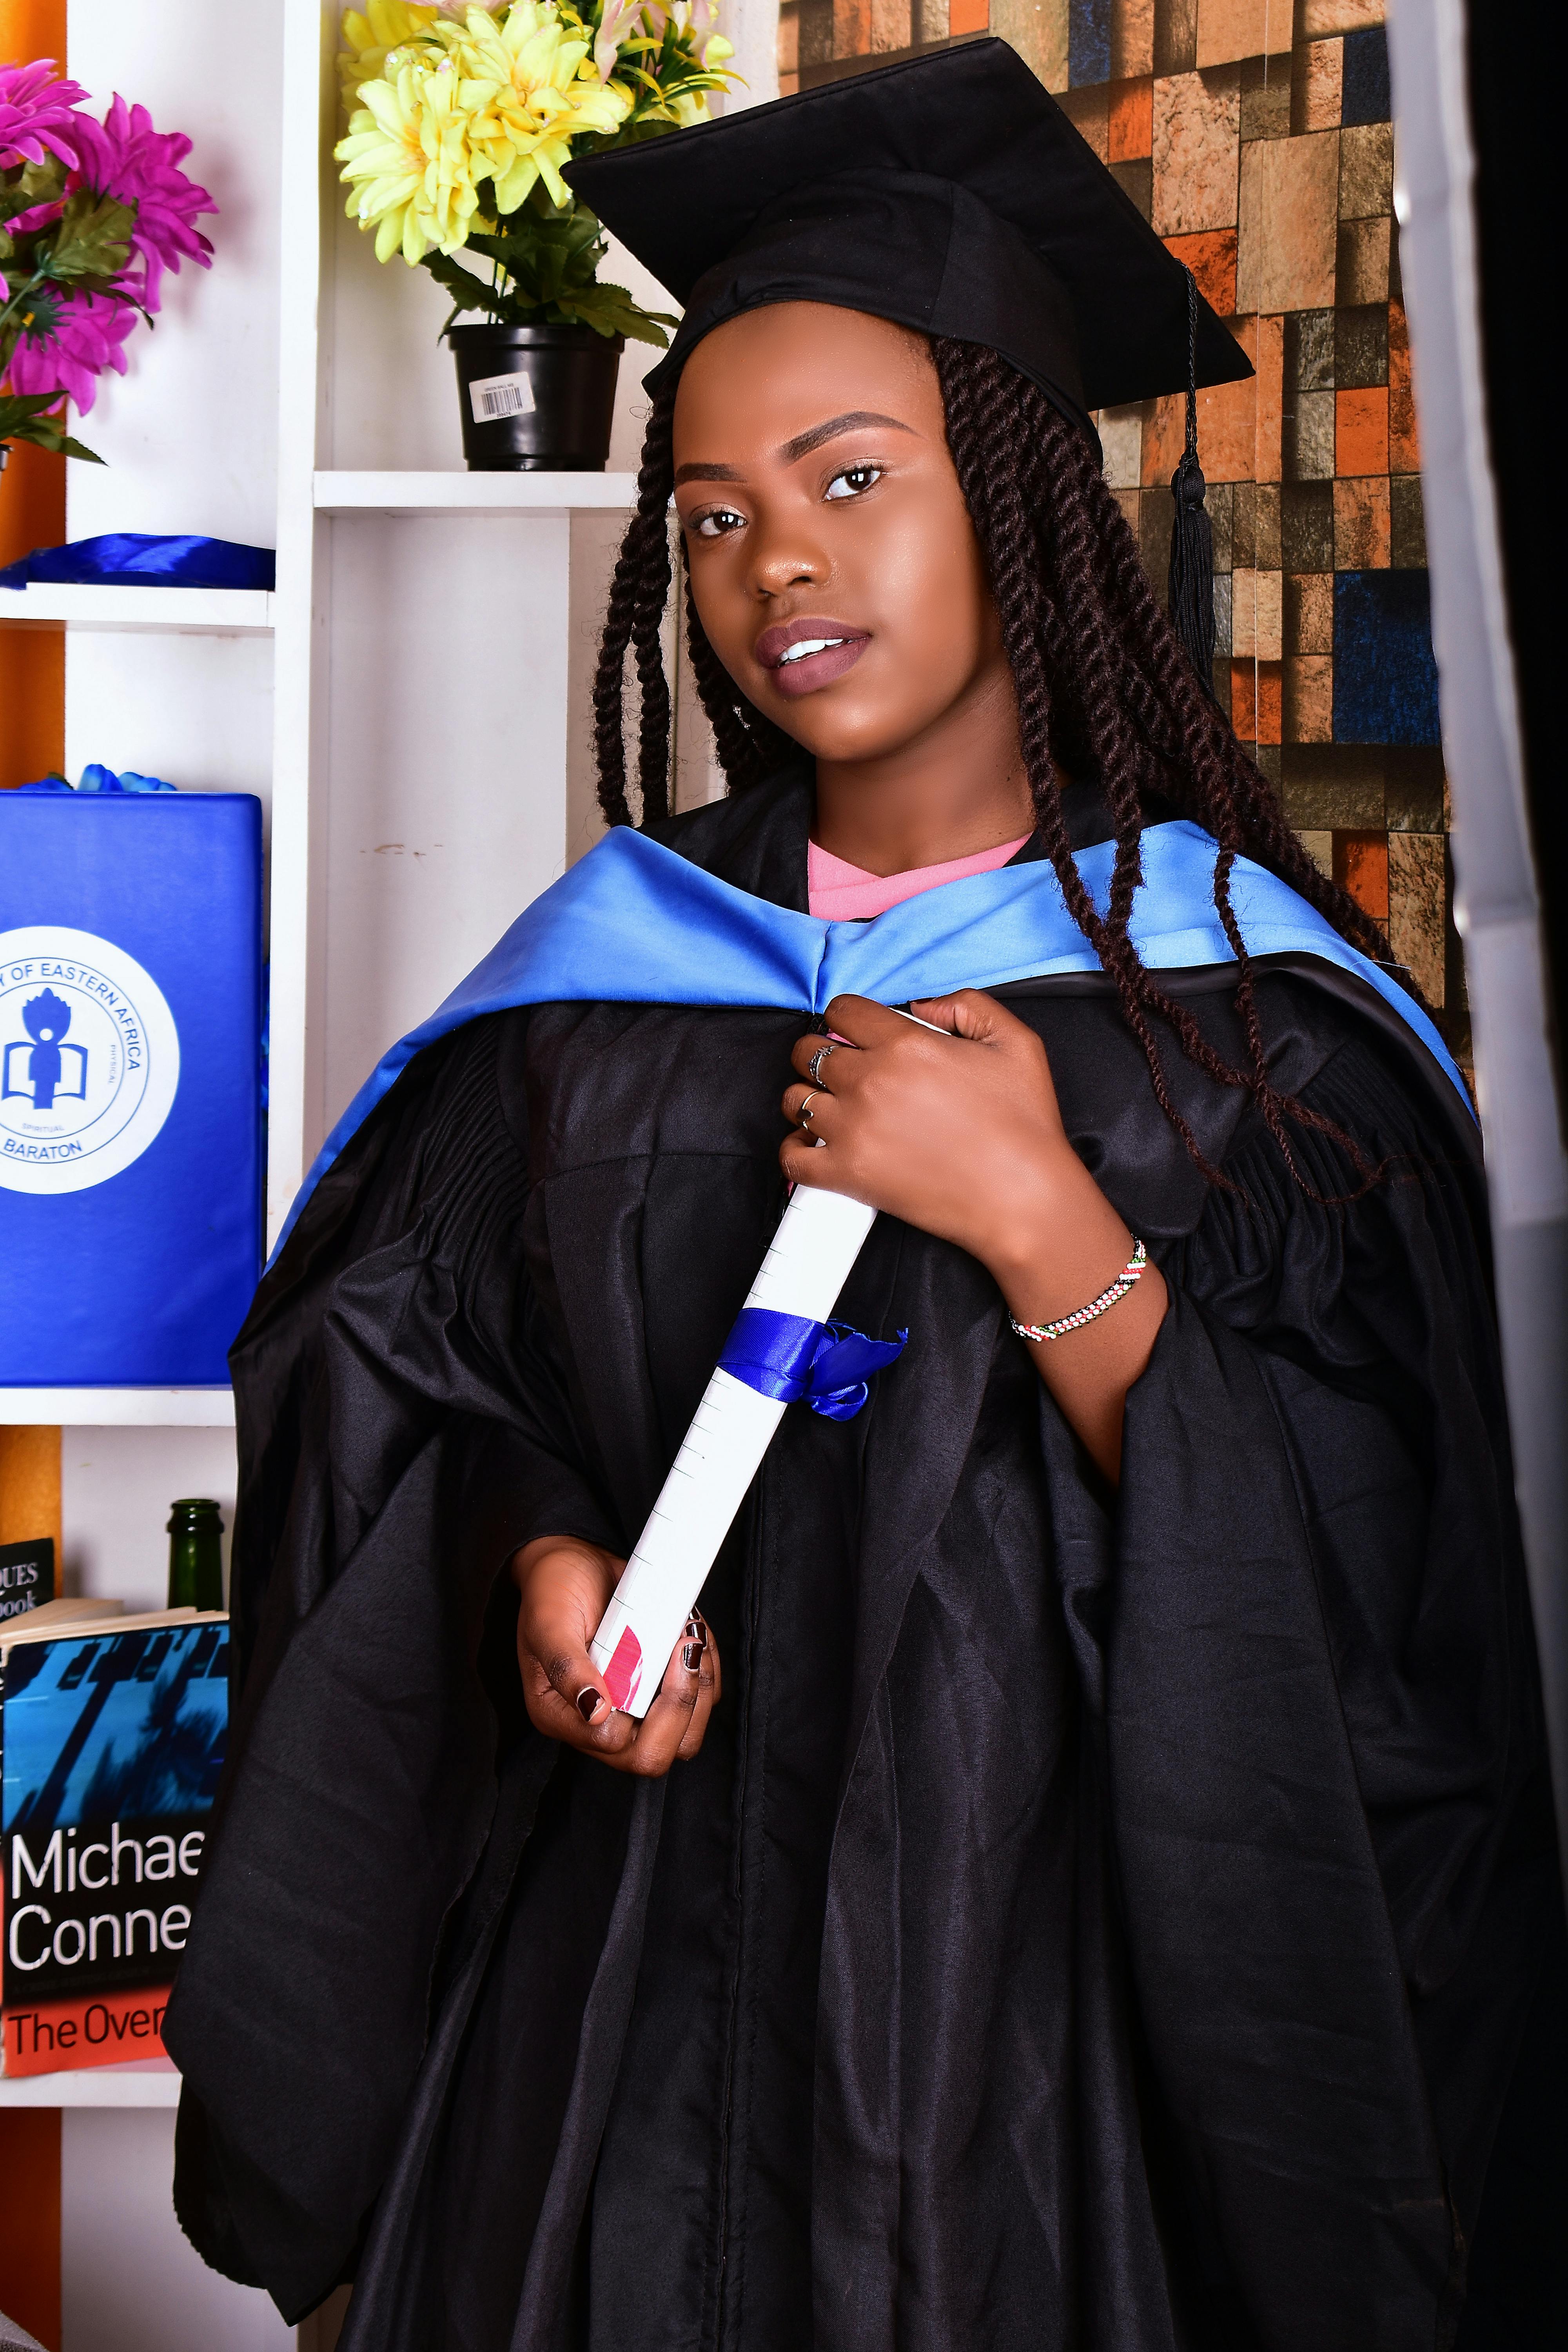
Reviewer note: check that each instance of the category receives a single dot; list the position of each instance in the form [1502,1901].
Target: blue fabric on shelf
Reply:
[146,559]
[635,923]
[789,1356]
[96,778]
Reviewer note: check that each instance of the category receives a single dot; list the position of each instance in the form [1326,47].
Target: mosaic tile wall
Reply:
[1255,136]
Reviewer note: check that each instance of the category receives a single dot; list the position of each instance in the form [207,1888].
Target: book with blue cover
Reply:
[112,1732]
[131,1021]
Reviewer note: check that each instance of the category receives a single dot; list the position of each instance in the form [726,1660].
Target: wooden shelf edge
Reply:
[116,1408]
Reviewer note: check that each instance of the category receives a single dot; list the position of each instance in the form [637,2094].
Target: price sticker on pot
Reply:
[493,396]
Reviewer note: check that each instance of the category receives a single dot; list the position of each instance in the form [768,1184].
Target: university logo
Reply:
[90,1060]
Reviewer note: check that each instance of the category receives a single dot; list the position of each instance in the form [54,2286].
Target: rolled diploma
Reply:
[817,1241]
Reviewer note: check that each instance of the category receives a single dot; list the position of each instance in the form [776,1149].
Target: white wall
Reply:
[131,2281]
[117,1486]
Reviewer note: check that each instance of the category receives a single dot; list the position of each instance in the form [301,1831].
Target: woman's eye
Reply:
[854,481]
[717,522]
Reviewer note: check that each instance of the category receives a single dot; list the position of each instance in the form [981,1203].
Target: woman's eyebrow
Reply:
[804,442]
[801,447]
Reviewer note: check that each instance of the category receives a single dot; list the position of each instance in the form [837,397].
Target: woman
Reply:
[1101,1897]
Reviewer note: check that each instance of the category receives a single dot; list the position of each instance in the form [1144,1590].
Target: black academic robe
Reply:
[1093,1921]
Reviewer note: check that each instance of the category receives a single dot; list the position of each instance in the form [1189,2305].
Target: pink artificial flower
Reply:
[125,158]
[36,115]
[86,341]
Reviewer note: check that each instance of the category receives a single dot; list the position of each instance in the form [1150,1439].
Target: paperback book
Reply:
[26,1577]
[112,1731]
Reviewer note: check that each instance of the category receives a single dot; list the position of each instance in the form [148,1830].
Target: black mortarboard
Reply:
[950,193]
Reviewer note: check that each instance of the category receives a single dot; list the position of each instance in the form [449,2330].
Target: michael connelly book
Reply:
[111,1740]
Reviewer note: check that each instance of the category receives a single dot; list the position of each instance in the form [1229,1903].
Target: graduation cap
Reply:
[951,194]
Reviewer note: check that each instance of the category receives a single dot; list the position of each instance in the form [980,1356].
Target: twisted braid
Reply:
[750,746]
[1095,665]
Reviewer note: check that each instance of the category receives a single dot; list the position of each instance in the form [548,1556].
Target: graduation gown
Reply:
[1103,1921]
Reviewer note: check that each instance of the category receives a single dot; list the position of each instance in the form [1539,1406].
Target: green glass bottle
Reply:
[196,1554]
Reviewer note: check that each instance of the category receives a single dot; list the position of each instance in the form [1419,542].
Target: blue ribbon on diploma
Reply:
[143,559]
[790,1357]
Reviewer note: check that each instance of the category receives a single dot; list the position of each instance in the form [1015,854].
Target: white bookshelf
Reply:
[415,493]
[94,2087]
[177,612]
[208,1408]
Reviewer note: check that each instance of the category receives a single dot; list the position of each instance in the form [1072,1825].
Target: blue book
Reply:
[131,1148]
[112,1742]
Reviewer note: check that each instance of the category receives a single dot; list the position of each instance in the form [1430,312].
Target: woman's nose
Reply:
[785,554]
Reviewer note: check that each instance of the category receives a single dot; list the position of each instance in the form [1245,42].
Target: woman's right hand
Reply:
[565,1587]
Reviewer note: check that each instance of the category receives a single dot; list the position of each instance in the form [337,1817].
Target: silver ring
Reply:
[804,1113]
[814,1067]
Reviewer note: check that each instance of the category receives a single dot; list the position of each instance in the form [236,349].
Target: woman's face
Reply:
[833,562]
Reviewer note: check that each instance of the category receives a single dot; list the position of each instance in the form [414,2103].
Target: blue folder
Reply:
[131,1145]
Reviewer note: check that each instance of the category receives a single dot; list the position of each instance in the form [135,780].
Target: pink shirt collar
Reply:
[838,892]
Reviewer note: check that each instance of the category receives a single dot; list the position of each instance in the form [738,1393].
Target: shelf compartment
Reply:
[116,1408]
[176,612]
[473,494]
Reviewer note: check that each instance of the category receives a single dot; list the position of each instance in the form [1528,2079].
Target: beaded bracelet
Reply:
[1108,1298]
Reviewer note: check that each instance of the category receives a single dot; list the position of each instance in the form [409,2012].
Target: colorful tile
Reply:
[1037,29]
[1310,613]
[1197,131]
[1244,526]
[1320,848]
[1309,437]
[1332,784]
[1289,193]
[1362,530]
[1269,359]
[1175,36]
[1309,351]
[1127,501]
[1416,895]
[1266,98]
[1221,504]
[1131,123]
[1211,257]
[1361,431]
[1267,553]
[1361,867]
[931,20]
[1403,447]
[1222,613]
[1340,16]
[1121,440]
[1256,622]
[1316,85]
[1136,182]
[1362,268]
[1088,42]
[1361,346]
[851,28]
[1257,700]
[1309,699]
[1231,29]
[1156,512]
[1407,524]
[1385,674]
[814,31]
[1415,789]
[1367,95]
[1131,37]
[1227,426]
[1366,171]
[1088,111]
[891,27]
[1306,526]
[965,16]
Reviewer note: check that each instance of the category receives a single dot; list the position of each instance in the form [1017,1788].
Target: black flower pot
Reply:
[535,398]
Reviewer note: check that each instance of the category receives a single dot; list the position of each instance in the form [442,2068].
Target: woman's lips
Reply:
[801,656]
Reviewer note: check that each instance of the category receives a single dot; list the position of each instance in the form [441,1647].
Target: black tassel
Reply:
[1191,598]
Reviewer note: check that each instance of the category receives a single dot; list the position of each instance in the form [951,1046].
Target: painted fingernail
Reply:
[588,1703]
[691,1657]
[697,1626]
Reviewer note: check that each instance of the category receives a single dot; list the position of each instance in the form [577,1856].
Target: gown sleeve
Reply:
[1322,1733]
[403,1427]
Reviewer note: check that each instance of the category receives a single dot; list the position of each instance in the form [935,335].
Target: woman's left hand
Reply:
[961,1135]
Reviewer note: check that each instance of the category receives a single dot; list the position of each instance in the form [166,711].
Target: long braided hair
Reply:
[1097,667]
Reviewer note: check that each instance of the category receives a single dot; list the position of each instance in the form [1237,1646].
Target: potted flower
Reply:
[462,117]
[91,216]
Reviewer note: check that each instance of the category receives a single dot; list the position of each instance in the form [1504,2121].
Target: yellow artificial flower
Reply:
[384,25]
[411,172]
[526,96]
